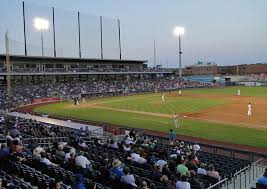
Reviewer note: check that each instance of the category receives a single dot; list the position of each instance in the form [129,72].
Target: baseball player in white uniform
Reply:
[176,120]
[163,98]
[180,92]
[249,109]
[238,92]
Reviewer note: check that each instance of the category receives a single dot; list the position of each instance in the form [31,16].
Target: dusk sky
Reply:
[222,31]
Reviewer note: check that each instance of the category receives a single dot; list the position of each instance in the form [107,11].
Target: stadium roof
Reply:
[69,59]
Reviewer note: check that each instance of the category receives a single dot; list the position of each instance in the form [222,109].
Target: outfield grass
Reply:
[153,103]
[245,91]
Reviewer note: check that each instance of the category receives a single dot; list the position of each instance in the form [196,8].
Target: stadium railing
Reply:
[219,184]
[247,176]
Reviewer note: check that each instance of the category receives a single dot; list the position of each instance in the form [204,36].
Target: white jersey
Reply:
[249,107]
[163,97]
[176,123]
[249,110]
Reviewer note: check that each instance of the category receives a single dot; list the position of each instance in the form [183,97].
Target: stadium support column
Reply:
[101,36]
[119,28]
[180,57]
[24,29]
[8,78]
[79,35]
[54,32]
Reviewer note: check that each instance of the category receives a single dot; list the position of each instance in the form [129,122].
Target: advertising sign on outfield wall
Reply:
[42,100]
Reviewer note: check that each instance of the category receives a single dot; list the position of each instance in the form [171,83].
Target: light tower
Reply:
[178,31]
[41,25]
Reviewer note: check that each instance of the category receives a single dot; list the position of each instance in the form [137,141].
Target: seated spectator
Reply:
[196,148]
[172,166]
[190,164]
[183,184]
[68,155]
[212,173]
[56,185]
[82,144]
[71,160]
[81,132]
[161,162]
[14,132]
[173,180]
[165,183]
[17,148]
[202,169]
[166,171]
[4,152]
[79,182]
[182,169]
[114,144]
[144,185]
[126,147]
[60,152]
[132,134]
[263,179]
[152,186]
[128,178]
[129,140]
[82,161]
[193,181]
[135,157]
[142,159]
[157,173]
[9,138]
[104,174]
[44,159]
[37,153]
[116,172]
[194,159]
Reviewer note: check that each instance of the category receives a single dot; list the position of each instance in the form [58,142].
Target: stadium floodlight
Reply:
[41,25]
[178,31]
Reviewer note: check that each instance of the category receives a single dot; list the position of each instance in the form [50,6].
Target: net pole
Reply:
[8,76]
[101,36]
[119,29]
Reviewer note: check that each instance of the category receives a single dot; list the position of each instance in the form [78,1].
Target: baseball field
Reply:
[215,114]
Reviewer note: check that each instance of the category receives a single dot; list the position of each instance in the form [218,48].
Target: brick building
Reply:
[213,69]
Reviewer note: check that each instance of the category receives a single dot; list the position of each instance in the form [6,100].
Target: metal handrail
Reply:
[241,170]
[216,184]
[33,138]
[257,161]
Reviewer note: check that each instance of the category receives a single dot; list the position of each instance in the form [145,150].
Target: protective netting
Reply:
[61,37]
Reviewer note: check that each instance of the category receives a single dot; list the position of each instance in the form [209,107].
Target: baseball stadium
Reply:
[77,110]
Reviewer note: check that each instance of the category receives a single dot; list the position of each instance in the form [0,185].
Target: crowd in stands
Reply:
[89,69]
[24,94]
[49,156]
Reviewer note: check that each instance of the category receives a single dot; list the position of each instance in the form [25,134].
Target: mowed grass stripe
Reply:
[153,103]
[212,131]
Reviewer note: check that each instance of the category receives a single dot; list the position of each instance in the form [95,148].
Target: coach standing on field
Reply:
[176,120]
